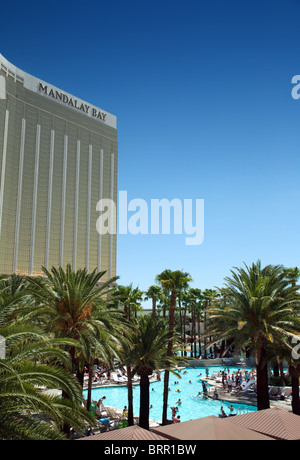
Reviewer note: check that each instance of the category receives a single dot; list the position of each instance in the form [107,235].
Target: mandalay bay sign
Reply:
[71,102]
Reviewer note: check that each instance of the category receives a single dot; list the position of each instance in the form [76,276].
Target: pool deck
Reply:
[224,395]
[248,398]
[112,383]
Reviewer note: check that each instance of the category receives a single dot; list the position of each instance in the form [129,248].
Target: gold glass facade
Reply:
[56,162]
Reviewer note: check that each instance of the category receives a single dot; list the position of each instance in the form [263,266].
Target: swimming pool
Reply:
[192,407]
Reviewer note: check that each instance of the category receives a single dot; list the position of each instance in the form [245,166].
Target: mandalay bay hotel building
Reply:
[58,158]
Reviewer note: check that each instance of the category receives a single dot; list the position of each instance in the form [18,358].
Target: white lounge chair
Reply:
[215,374]
[287,393]
[274,393]
[117,379]
[247,385]
[113,414]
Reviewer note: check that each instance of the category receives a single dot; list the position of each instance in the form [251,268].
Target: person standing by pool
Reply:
[216,394]
[231,408]
[229,383]
[224,381]
[205,392]
[223,414]
[174,410]
[207,372]
[176,419]
[100,403]
[241,378]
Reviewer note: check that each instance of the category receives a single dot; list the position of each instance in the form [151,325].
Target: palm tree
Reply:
[136,299]
[20,397]
[285,352]
[13,297]
[209,295]
[70,301]
[181,292]
[186,301]
[128,298]
[293,275]
[261,309]
[99,345]
[154,292]
[148,352]
[21,378]
[163,302]
[174,281]
[195,297]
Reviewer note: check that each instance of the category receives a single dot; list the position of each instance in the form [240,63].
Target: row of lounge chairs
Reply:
[118,378]
[115,377]
[276,393]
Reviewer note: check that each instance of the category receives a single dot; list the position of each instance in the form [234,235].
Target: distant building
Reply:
[58,158]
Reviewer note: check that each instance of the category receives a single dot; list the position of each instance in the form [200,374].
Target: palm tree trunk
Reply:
[154,308]
[72,355]
[205,342]
[130,397]
[195,342]
[276,370]
[184,330]
[263,401]
[165,396]
[295,395]
[192,332]
[223,346]
[90,384]
[169,353]
[181,322]
[144,402]
[80,376]
[294,372]
[199,339]
[281,373]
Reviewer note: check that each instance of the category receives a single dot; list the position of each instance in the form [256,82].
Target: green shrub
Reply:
[277,382]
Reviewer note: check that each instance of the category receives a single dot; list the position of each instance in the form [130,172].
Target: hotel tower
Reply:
[58,158]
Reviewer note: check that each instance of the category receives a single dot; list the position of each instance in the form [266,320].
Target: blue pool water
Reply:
[192,407]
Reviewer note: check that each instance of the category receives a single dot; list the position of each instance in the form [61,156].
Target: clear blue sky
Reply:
[202,93]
